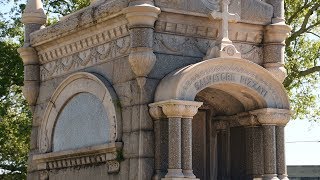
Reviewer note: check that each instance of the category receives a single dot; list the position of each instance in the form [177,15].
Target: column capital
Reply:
[247,119]
[156,112]
[276,33]
[271,116]
[142,15]
[28,55]
[177,108]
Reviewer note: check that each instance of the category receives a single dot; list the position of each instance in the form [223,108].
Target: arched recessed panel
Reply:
[83,122]
[225,74]
[80,99]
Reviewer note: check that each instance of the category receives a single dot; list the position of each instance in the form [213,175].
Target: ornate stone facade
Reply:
[182,89]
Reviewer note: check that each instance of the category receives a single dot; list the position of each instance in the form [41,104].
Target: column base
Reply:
[174,173]
[188,174]
[270,177]
[283,177]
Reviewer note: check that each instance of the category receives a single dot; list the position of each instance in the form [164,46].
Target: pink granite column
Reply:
[270,118]
[191,109]
[281,160]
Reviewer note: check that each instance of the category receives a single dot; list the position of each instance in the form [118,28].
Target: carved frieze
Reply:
[237,32]
[87,58]
[197,47]
[186,29]
[83,44]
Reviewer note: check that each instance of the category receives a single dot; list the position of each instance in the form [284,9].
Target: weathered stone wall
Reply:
[107,39]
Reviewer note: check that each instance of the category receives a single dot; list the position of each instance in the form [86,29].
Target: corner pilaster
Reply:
[33,18]
[141,15]
[274,47]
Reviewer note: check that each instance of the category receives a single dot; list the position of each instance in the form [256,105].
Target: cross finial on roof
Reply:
[224,47]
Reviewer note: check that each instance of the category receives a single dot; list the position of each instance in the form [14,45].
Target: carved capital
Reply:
[29,55]
[177,108]
[270,116]
[276,33]
[277,70]
[246,119]
[142,61]
[143,15]
[156,112]
[173,110]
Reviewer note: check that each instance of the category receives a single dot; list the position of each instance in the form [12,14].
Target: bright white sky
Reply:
[302,153]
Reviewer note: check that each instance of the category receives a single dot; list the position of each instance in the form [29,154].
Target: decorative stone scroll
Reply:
[187,82]
[73,85]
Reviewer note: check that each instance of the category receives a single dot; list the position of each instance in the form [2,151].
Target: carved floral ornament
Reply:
[75,84]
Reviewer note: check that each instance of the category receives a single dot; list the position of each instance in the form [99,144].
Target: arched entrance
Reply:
[238,109]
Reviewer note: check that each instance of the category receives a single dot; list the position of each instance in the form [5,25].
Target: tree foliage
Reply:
[302,57]
[15,117]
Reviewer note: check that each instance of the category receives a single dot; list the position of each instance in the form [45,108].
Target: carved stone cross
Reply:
[224,47]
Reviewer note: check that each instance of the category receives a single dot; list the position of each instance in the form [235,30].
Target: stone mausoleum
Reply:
[157,89]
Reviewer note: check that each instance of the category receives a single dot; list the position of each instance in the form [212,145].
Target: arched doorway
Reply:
[237,128]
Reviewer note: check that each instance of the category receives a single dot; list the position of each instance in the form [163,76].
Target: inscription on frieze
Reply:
[254,85]
[205,81]
[200,83]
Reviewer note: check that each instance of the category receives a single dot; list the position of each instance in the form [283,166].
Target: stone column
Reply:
[254,149]
[190,111]
[270,118]
[270,162]
[157,114]
[174,114]
[33,18]
[223,146]
[281,160]
[179,114]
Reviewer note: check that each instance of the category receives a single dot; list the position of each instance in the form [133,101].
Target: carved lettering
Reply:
[253,84]
[205,81]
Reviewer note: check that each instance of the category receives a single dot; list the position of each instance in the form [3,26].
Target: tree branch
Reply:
[304,24]
[299,10]
[313,34]
[309,71]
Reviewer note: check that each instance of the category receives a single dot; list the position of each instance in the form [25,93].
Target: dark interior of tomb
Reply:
[221,155]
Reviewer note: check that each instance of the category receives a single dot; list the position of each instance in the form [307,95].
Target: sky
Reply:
[302,142]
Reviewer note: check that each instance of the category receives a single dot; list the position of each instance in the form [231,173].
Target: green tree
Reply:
[15,117]
[302,57]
